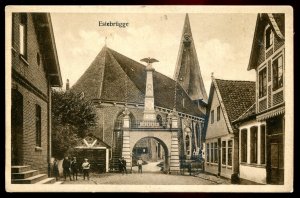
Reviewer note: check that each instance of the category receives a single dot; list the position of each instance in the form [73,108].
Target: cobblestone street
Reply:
[142,179]
[151,176]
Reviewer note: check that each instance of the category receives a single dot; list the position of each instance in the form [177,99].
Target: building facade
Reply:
[268,59]
[227,100]
[35,69]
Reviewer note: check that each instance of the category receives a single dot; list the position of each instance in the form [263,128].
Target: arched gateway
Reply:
[167,137]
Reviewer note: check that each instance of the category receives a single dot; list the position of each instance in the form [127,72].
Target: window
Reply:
[23,35]
[263,82]
[224,152]
[253,145]
[159,120]
[207,152]
[183,102]
[38,125]
[277,73]
[215,152]
[187,144]
[269,38]
[262,144]
[212,117]
[212,152]
[244,145]
[229,151]
[218,113]
[198,135]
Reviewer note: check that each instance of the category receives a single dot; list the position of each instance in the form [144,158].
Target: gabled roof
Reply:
[235,97]
[111,74]
[276,22]
[91,141]
[44,31]
[187,71]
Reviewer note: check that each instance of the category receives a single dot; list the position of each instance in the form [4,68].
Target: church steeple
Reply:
[187,72]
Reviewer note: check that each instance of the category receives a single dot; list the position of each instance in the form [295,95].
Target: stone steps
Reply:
[19,169]
[30,180]
[50,180]
[24,175]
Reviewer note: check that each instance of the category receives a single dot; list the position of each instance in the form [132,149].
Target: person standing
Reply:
[140,164]
[74,167]
[124,165]
[86,169]
[55,169]
[120,165]
[66,168]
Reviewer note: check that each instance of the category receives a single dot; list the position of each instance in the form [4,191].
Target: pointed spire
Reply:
[187,71]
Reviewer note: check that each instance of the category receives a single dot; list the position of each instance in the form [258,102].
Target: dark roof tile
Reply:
[237,96]
[111,73]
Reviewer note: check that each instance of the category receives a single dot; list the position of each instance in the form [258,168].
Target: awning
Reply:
[271,114]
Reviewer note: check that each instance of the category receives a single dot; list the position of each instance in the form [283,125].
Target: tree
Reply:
[72,116]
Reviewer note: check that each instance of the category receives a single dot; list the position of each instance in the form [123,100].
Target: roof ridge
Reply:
[155,71]
[101,83]
[112,55]
[235,80]
[128,77]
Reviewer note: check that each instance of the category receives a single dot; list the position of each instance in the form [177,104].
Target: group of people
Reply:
[72,167]
[122,165]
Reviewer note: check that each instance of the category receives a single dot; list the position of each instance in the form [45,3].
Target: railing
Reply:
[138,124]
[146,124]
[192,166]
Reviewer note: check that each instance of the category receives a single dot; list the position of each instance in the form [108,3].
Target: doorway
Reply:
[17,128]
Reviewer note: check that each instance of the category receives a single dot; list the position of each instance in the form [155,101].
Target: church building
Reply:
[122,88]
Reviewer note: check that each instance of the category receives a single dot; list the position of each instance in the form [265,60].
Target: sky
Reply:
[223,41]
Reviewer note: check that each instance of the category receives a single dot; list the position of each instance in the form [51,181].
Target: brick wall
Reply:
[31,71]
[35,74]
[36,158]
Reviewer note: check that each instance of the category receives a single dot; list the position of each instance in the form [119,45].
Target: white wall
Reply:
[249,171]
[253,173]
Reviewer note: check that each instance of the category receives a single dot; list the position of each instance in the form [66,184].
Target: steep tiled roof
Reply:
[111,74]
[248,114]
[237,96]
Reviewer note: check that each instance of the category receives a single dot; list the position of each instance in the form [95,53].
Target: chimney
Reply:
[67,85]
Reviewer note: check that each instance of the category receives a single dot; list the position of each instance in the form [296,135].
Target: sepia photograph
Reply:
[149,99]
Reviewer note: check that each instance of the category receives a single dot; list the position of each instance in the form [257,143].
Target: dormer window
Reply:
[269,37]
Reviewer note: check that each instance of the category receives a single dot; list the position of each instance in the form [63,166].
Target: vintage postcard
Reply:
[149,99]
